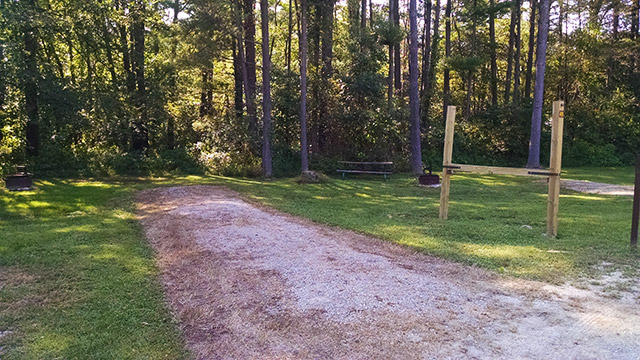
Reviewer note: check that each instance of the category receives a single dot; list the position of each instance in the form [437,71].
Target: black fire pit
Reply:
[20,181]
[429,179]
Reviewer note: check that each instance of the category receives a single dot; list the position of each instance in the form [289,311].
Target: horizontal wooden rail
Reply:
[367,162]
[497,170]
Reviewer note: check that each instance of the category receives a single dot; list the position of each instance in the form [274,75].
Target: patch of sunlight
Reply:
[585,197]
[321,197]
[466,203]
[579,197]
[498,251]
[44,182]
[123,215]
[237,180]
[133,264]
[363,195]
[50,343]
[367,188]
[258,197]
[92,184]
[79,228]
[35,203]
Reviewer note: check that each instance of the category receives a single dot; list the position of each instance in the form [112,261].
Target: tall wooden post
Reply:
[636,207]
[446,160]
[555,166]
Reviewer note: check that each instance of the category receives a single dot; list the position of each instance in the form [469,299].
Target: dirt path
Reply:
[246,282]
[592,187]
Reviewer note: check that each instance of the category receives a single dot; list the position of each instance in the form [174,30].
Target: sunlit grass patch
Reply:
[93,281]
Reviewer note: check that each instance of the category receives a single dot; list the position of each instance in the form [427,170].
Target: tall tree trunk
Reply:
[371,13]
[237,81]
[140,136]
[516,59]
[206,94]
[289,37]
[316,29]
[492,50]
[130,79]
[326,35]
[241,55]
[532,40]
[72,70]
[446,95]
[426,49]
[304,148]
[431,73]
[266,90]
[3,84]
[538,92]
[635,9]
[414,99]
[467,102]
[171,137]
[615,24]
[391,53]
[397,60]
[363,14]
[512,37]
[30,82]
[106,34]
[250,65]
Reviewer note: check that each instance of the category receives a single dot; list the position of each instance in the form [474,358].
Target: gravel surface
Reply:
[248,282]
[597,188]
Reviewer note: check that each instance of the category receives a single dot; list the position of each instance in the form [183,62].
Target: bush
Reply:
[581,153]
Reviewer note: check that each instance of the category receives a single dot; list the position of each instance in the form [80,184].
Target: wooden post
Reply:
[553,199]
[446,160]
[636,207]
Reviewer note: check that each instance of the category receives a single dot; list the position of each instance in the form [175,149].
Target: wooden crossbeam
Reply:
[553,198]
[497,170]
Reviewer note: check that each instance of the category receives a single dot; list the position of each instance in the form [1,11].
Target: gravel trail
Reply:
[248,282]
[592,187]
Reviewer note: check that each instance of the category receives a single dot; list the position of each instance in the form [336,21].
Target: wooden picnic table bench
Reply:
[366,167]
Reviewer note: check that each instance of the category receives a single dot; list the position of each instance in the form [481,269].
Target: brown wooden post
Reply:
[555,162]
[446,160]
[636,207]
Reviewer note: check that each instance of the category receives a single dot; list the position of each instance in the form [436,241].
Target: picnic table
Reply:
[366,167]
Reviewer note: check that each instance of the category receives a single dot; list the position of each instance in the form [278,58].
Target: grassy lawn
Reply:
[77,279]
[622,175]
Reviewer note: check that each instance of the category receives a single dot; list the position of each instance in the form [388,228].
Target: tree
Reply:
[531,46]
[447,54]
[139,136]
[414,99]
[171,137]
[430,75]
[492,52]
[31,76]
[396,48]
[538,91]
[250,68]
[304,147]
[266,91]
[391,53]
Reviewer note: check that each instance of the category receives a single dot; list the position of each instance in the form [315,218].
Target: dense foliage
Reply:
[98,87]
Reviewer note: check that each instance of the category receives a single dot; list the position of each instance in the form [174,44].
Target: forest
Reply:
[232,87]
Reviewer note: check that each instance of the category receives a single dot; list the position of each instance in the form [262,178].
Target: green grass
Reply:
[621,175]
[77,279]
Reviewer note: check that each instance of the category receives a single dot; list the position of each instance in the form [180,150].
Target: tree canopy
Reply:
[98,87]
